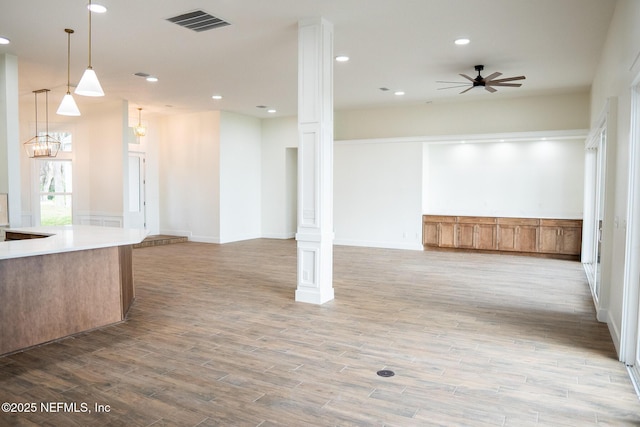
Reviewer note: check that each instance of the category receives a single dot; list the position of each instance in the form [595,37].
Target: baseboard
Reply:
[415,246]
[283,236]
[239,238]
[181,233]
[613,330]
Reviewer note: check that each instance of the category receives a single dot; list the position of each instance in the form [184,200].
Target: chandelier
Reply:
[140,130]
[42,145]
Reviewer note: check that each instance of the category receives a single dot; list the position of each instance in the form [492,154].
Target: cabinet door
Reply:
[507,238]
[486,236]
[527,238]
[549,239]
[571,241]
[430,234]
[447,235]
[466,235]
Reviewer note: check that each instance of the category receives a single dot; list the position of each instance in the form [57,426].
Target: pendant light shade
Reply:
[140,130]
[89,84]
[68,106]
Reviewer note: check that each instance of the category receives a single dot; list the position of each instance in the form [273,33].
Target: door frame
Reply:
[596,186]
[630,327]
[141,155]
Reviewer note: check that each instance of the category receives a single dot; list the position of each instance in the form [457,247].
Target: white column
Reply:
[10,147]
[315,161]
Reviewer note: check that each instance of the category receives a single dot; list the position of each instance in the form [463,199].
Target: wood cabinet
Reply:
[439,231]
[477,232]
[561,238]
[518,234]
[459,232]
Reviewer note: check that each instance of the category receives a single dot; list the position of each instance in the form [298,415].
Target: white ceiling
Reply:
[399,44]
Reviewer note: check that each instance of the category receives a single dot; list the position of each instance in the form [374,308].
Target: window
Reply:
[55,191]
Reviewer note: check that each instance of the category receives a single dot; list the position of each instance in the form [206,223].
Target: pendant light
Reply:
[140,130]
[89,84]
[42,145]
[68,106]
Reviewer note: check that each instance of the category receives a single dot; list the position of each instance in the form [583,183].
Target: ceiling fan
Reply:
[488,82]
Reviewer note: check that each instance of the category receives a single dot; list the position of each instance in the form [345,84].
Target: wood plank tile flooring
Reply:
[215,338]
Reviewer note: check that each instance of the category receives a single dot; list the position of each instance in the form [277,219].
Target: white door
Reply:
[137,202]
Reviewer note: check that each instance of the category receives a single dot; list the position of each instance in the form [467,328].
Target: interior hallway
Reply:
[215,338]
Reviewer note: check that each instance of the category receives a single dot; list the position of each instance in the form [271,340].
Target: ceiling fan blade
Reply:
[467,90]
[492,76]
[490,89]
[467,77]
[444,81]
[453,87]
[505,84]
[508,79]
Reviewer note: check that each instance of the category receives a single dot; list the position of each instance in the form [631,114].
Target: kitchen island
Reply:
[59,281]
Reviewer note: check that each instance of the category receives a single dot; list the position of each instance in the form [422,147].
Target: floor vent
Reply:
[198,21]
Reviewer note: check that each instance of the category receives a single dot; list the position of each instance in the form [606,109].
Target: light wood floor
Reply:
[215,338]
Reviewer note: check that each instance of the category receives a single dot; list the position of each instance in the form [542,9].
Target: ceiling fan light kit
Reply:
[489,83]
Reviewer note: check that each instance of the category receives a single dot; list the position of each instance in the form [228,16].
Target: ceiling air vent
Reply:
[198,21]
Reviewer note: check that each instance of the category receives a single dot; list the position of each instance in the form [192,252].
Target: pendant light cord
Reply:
[69,32]
[89,33]
[46,114]
[35,95]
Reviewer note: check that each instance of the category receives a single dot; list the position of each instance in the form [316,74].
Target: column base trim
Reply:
[314,296]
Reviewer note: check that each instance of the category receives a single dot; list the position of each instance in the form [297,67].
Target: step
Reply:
[160,239]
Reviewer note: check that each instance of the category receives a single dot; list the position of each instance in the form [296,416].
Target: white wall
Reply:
[540,179]
[492,115]
[152,176]
[189,157]
[240,173]
[377,194]
[619,66]
[278,136]
[210,174]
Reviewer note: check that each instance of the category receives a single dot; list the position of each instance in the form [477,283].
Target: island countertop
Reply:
[68,238]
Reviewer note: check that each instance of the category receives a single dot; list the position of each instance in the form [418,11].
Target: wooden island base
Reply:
[51,296]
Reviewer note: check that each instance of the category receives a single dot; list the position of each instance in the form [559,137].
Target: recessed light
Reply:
[4,40]
[271,110]
[462,41]
[216,97]
[152,79]
[96,8]
[342,58]
[398,93]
